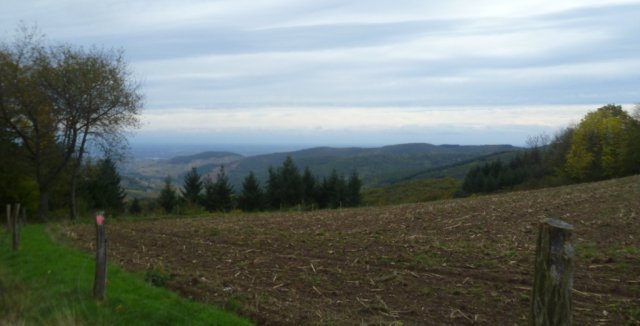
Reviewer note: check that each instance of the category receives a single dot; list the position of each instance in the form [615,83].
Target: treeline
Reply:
[605,144]
[285,188]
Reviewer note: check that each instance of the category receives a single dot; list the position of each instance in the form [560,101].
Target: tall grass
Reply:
[47,283]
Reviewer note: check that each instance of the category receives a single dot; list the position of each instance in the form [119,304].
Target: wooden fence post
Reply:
[551,295]
[100,282]
[15,227]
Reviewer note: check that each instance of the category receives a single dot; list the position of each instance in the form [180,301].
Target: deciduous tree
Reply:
[55,99]
[604,145]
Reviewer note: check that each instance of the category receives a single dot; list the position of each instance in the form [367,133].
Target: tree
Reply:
[332,192]
[605,144]
[219,194]
[274,189]
[309,191]
[291,183]
[354,198]
[251,198]
[135,207]
[168,198]
[94,89]
[104,190]
[56,99]
[192,187]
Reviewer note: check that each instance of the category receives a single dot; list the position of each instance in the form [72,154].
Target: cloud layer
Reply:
[249,57]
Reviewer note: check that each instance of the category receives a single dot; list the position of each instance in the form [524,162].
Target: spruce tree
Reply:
[274,189]
[291,183]
[219,195]
[224,190]
[308,188]
[251,198]
[333,191]
[354,198]
[210,201]
[168,197]
[104,190]
[192,188]
[135,207]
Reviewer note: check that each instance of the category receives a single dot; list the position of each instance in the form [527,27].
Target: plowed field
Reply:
[465,261]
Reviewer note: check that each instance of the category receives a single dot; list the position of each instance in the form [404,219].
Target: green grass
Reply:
[47,283]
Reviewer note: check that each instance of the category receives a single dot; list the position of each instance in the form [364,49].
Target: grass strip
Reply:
[46,283]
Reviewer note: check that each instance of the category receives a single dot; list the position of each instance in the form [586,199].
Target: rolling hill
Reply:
[376,166]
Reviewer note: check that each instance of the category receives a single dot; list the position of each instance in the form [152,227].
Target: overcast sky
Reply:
[338,72]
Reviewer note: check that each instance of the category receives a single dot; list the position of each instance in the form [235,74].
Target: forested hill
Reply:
[376,166]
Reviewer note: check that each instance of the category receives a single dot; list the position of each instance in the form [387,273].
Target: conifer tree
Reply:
[291,183]
[135,207]
[168,197]
[274,189]
[224,190]
[192,188]
[354,198]
[308,188]
[219,195]
[251,198]
[104,190]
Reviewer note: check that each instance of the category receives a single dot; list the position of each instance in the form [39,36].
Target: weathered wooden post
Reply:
[551,296]
[100,282]
[15,228]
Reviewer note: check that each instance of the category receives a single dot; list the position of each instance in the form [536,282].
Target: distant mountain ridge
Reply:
[376,166]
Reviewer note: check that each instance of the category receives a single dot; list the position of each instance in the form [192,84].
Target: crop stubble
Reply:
[461,261]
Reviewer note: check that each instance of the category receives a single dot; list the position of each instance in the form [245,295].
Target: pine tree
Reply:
[192,189]
[168,197]
[251,198]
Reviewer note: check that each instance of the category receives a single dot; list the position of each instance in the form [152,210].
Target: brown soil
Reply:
[466,261]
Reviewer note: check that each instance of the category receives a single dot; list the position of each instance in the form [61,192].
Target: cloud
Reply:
[284,61]
[328,119]
[360,126]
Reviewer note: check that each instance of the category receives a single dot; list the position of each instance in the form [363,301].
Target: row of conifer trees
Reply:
[285,188]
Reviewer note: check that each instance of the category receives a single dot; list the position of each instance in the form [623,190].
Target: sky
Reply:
[364,73]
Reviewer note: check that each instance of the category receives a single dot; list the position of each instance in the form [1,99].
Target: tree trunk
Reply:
[73,207]
[551,297]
